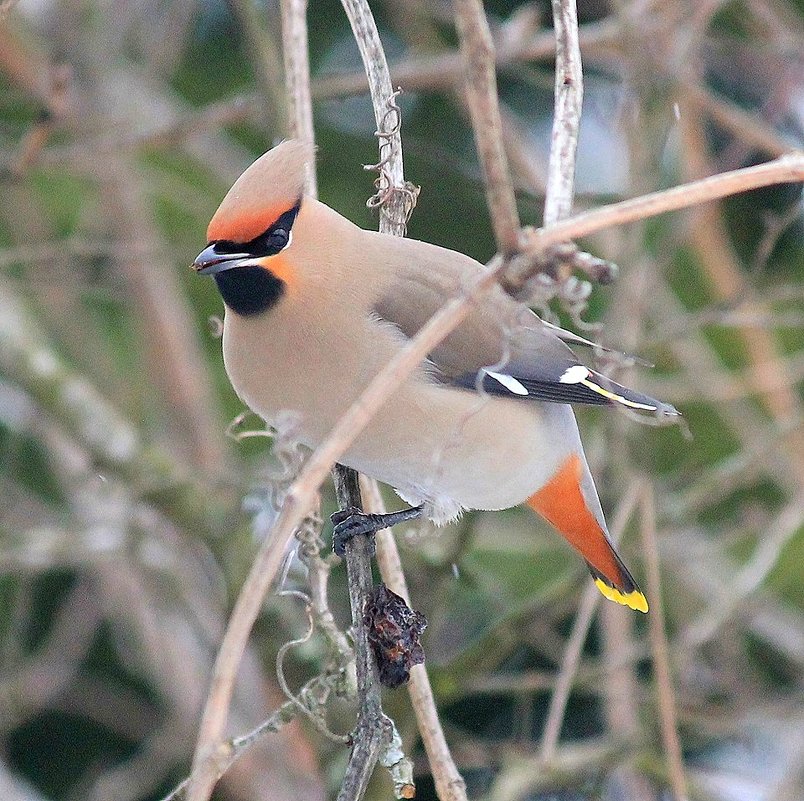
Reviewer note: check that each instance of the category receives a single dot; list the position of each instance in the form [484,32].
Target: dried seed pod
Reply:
[393,631]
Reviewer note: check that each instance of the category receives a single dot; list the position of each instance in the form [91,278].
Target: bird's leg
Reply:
[350,522]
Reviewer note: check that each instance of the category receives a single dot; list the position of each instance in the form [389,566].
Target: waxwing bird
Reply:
[316,306]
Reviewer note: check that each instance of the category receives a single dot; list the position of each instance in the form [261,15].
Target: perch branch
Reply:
[449,783]
[371,730]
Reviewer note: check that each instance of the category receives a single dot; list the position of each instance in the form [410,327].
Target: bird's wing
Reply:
[501,347]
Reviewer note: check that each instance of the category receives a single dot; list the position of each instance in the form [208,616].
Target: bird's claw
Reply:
[351,522]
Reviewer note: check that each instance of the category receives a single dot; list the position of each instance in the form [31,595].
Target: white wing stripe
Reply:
[574,375]
[508,381]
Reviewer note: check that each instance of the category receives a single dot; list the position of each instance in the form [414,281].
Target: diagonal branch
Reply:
[304,491]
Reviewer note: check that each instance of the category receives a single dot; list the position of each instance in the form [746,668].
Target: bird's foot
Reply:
[350,522]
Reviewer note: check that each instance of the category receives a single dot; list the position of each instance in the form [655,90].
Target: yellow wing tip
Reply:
[634,599]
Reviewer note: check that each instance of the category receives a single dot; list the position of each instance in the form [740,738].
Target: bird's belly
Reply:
[464,450]
[449,448]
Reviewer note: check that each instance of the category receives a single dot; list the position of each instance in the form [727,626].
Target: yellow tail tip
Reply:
[634,599]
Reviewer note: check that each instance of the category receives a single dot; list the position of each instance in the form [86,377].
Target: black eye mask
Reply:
[268,243]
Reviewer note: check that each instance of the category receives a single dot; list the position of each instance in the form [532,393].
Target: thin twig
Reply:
[477,48]
[786,169]
[560,190]
[449,783]
[304,491]
[566,113]
[297,80]
[309,697]
[659,649]
[396,205]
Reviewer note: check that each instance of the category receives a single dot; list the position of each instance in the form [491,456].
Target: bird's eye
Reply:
[279,238]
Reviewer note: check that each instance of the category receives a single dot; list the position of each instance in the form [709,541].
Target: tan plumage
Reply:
[308,324]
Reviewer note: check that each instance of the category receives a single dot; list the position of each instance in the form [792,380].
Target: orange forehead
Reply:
[271,186]
[245,225]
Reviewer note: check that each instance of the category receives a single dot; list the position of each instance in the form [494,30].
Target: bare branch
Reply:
[297,79]
[310,697]
[449,783]
[396,208]
[566,113]
[477,48]
[370,733]
[659,649]
[786,169]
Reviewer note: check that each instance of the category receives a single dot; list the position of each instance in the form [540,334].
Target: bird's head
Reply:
[252,229]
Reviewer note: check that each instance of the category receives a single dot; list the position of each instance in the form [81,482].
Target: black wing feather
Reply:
[597,390]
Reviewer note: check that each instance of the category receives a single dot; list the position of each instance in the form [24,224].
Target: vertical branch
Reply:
[396,209]
[369,733]
[449,783]
[477,48]
[398,199]
[566,113]
[296,57]
[659,649]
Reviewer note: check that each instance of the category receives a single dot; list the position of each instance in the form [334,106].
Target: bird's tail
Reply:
[561,503]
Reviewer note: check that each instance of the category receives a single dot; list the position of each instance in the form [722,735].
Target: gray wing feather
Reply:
[501,346]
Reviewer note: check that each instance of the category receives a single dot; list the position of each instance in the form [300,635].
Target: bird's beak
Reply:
[209,261]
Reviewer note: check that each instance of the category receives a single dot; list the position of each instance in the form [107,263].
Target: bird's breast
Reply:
[436,444]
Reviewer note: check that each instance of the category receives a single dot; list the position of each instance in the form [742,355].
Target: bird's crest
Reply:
[271,186]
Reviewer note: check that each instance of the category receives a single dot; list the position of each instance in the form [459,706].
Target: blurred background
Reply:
[128,518]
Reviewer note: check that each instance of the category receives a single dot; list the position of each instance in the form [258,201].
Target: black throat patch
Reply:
[249,290]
